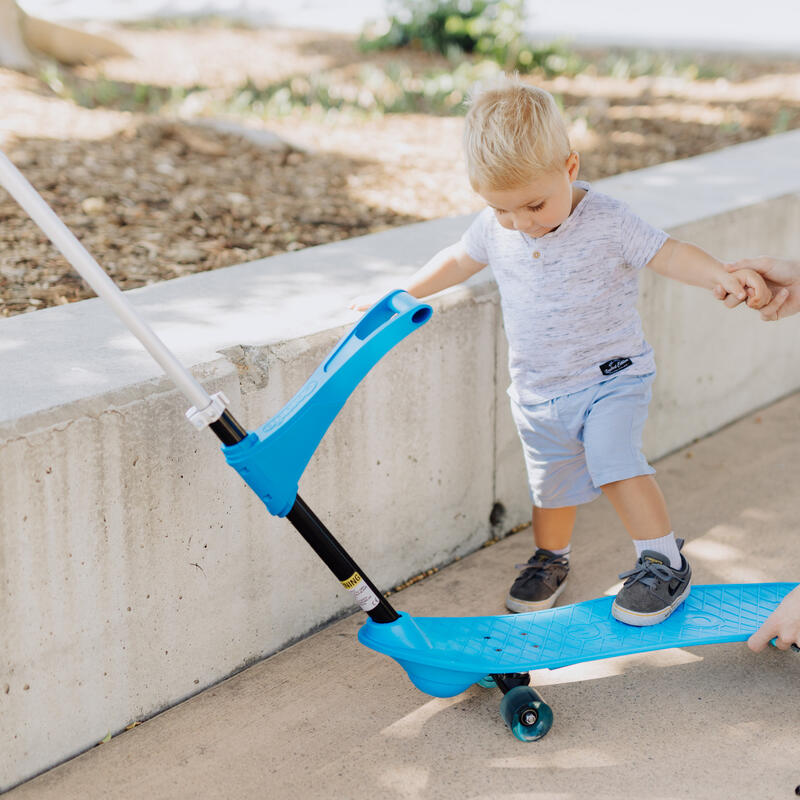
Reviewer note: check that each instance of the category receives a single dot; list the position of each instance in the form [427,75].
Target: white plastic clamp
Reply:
[211,413]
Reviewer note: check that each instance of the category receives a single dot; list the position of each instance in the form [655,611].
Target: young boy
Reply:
[566,260]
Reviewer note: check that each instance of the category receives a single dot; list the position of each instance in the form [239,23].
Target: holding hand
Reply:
[782,278]
[783,623]
[743,285]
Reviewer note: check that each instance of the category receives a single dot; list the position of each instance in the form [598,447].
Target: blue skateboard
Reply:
[445,655]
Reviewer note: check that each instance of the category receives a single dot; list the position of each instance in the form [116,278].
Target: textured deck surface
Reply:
[583,632]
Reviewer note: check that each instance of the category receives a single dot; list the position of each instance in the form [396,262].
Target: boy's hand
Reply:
[743,285]
[362,302]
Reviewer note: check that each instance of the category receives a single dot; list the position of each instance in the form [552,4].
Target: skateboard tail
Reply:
[404,637]
[438,682]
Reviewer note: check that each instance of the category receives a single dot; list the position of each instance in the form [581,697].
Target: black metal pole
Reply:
[322,541]
[338,559]
[228,430]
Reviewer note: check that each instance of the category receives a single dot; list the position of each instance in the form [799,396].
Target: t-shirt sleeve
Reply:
[639,239]
[475,238]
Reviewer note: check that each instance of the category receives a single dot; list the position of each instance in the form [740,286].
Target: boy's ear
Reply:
[573,165]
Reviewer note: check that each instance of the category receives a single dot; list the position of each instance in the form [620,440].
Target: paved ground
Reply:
[329,719]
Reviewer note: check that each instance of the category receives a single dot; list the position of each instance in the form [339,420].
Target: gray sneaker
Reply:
[539,584]
[653,589]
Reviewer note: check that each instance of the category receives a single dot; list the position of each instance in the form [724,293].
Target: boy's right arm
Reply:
[447,268]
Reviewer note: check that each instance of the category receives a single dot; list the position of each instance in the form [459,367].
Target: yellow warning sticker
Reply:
[362,593]
[352,581]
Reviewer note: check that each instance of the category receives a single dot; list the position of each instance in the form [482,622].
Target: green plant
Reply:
[782,122]
[102,92]
[377,90]
[494,29]
[628,64]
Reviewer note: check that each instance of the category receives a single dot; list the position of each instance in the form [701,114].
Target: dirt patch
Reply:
[159,200]
[154,197]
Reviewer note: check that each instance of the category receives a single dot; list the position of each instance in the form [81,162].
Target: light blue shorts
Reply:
[578,442]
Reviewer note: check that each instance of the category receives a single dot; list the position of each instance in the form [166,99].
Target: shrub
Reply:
[494,29]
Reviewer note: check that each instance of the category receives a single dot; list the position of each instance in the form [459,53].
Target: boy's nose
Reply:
[521,219]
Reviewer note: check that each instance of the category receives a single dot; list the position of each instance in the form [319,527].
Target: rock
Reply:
[185,253]
[93,206]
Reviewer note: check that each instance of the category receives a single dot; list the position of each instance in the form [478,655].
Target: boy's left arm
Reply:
[690,264]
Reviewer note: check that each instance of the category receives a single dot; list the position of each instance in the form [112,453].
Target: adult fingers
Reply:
[759,640]
[759,264]
[771,311]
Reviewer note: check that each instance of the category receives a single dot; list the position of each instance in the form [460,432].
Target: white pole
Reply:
[21,190]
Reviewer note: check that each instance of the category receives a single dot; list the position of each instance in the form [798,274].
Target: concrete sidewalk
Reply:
[329,719]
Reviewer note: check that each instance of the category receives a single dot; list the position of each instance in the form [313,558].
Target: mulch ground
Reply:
[154,197]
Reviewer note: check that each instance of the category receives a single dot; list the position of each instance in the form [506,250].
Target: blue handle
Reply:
[272,458]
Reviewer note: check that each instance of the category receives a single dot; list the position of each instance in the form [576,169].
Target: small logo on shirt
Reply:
[615,365]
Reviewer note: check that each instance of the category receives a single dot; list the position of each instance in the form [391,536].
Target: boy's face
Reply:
[539,206]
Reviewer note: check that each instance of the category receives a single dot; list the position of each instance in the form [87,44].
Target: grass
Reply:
[391,88]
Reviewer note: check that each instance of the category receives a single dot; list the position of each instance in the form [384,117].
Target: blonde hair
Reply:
[512,133]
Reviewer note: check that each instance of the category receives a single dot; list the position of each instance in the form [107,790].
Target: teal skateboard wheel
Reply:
[526,714]
[794,648]
[487,682]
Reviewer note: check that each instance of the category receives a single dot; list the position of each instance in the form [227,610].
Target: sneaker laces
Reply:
[648,572]
[540,562]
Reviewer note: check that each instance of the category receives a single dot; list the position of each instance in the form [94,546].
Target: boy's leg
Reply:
[558,481]
[552,527]
[640,505]
[544,576]
[659,582]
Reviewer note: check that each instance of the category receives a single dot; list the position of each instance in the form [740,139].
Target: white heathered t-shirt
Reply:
[569,297]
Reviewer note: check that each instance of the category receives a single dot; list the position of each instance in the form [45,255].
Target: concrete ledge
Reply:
[136,569]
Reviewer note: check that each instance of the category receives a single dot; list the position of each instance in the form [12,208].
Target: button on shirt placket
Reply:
[533,247]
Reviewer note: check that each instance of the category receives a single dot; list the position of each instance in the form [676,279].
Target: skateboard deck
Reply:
[445,655]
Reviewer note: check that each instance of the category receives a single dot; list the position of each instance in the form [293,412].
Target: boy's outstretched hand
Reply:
[362,302]
[743,286]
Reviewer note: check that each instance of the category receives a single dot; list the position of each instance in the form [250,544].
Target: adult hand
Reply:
[783,279]
[783,623]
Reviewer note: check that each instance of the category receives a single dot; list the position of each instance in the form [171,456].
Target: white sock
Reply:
[666,545]
[563,552]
